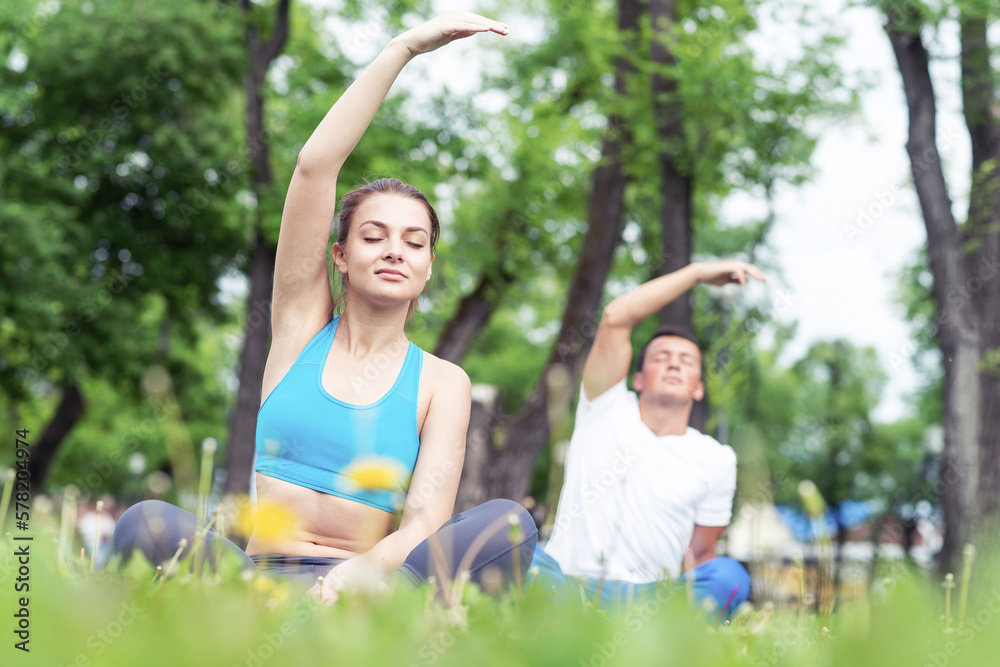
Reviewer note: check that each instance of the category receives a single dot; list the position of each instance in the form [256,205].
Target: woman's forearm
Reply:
[382,559]
[345,123]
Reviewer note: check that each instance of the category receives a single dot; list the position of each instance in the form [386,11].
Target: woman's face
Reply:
[387,257]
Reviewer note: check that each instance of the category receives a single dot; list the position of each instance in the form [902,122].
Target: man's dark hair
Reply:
[668,330]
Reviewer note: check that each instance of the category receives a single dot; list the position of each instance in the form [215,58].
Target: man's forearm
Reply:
[650,297]
[693,560]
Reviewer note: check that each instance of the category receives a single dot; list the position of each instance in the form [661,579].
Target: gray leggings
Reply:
[156,528]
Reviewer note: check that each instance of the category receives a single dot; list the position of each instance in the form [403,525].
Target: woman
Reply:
[340,392]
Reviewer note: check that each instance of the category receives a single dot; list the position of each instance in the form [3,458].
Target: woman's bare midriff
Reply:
[328,526]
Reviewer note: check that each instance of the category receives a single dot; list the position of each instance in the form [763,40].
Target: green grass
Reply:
[106,618]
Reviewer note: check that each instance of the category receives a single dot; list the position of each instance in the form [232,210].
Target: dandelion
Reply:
[67,523]
[208,447]
[171,566]
[824,639]
[968,555]
[516,535]
[815,505]
[812,499]
[269,521]
[376,472]
[949,583]
[97,535]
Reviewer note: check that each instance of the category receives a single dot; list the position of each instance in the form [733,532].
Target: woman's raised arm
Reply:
[301,295]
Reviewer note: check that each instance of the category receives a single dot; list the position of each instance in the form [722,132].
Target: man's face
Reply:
[671,371]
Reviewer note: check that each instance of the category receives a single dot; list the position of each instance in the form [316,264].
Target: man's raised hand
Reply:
[727,271]
[447,28]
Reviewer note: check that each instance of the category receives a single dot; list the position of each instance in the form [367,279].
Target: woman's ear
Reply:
[339,259]
[430,268]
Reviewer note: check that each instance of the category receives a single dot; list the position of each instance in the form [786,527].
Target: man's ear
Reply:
[638,381]
[699,391]
[339,259]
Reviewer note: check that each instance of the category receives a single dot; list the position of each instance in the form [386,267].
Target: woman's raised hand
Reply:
[445,29]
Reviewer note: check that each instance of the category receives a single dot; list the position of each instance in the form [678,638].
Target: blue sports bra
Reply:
[307,437]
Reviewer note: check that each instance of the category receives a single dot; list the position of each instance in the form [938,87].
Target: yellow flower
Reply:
[812,499]
[376,472]
[263,583]
[269,521]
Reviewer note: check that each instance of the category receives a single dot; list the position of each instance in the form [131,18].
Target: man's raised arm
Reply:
[611,354]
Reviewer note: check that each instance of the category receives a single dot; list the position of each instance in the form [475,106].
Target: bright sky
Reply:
[843,239]
[838,266]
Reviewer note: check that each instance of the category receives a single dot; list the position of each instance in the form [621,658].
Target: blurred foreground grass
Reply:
[106,618]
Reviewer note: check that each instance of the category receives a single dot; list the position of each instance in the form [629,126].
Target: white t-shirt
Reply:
[631,499]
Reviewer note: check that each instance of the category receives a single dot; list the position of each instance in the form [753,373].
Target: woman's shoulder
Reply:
[444,375]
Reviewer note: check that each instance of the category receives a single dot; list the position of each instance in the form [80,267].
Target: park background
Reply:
[147,148]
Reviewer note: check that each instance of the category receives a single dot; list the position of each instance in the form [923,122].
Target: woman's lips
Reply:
[390,274]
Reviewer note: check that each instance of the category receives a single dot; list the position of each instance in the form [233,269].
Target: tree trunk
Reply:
[257,332]
[982,117]
[473,313]
[527,433]
[510,464]
[255,342]
[478,448]
[957,331]
[675,180]
[838,562]
[43,451]
[875,539]
[675,183]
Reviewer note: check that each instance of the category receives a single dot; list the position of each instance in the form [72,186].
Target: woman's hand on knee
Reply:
[445,29]
[328,588]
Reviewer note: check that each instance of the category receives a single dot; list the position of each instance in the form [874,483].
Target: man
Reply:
[646,497]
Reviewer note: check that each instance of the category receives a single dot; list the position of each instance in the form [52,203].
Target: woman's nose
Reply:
[394,250]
